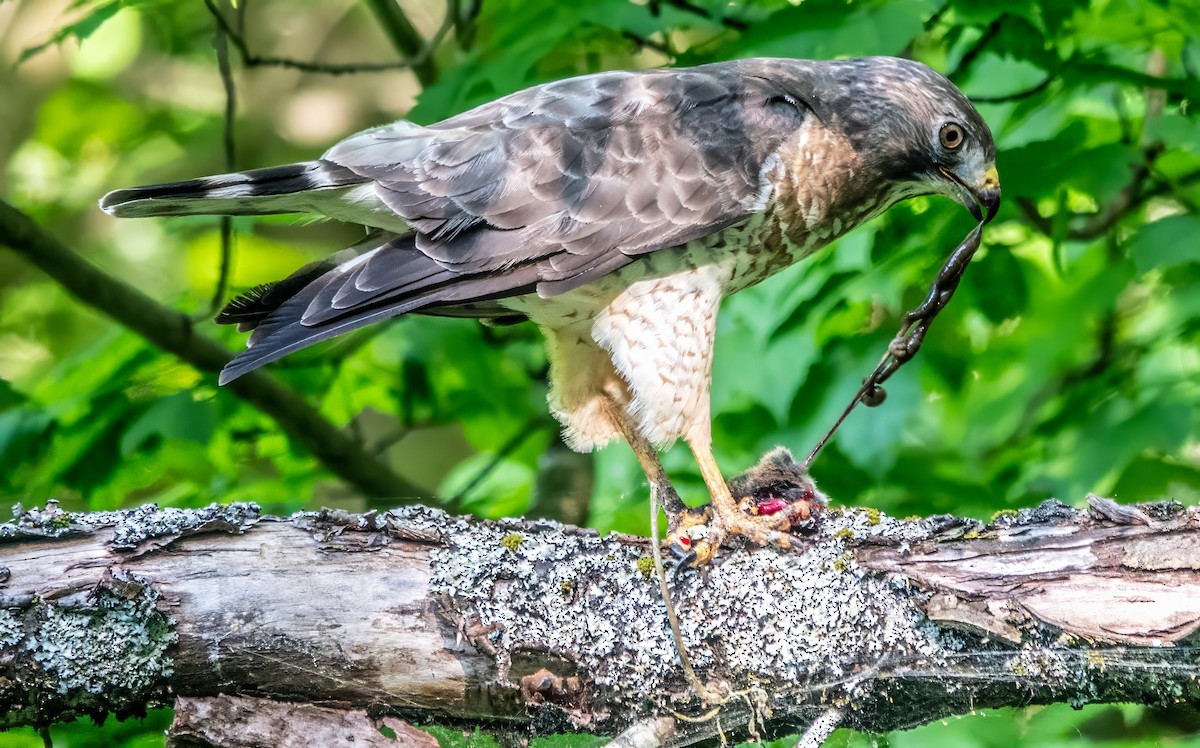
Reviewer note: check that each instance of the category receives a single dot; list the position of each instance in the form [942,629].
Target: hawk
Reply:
[614,211]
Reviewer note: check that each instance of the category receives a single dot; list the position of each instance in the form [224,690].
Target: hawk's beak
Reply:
[984,190]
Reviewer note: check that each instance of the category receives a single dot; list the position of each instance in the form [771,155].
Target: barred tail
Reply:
[275,189]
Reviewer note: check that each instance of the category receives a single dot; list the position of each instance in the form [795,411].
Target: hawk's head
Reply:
[912,128]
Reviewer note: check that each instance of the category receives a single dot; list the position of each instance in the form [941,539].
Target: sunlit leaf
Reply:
[94,16]
[1166,242]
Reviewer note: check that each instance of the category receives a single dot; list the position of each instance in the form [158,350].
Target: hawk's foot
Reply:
[771,502]
[687,535]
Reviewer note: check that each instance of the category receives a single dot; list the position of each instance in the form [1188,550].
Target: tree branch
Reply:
[1017,96]
[687,6]
[1095,225]
[967,61]
[417,61]
[173,332]
[418,614]
[644,42]
[405,38]
[1186,88]
[506,450]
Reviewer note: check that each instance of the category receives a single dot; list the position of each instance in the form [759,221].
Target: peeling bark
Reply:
[422,616]
[245,722]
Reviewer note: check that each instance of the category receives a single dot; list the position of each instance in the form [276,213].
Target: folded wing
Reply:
[540,191]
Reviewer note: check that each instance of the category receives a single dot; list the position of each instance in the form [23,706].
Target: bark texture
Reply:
[247,722]
[419,615]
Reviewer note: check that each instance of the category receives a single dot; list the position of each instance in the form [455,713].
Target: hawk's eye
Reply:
[951,135]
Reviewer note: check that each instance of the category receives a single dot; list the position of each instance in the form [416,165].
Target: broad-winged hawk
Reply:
[615,211]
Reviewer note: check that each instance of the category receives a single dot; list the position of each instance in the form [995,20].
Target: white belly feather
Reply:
[646,332]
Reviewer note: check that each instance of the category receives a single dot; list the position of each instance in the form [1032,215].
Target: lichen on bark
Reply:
[88,653]
[790,624]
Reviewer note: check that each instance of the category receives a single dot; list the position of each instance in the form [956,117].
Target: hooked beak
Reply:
[985,193]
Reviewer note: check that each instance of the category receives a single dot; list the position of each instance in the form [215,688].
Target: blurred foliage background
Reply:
[1067,363]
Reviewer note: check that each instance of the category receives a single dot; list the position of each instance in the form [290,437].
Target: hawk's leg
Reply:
[680,517]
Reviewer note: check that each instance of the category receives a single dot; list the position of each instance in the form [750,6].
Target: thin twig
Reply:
[936,17]
[243,9]
[821,728]
[930,23]
[1179,87]
[686,6]
[971,55]
[249,59]
[1089,371]
[647,43]
[1175,188]
[1075,67]
[221,45]
[1018,96]
[406,40]
[1133,195]
[703,691]
[1094,225]
[389,441]
[534,425]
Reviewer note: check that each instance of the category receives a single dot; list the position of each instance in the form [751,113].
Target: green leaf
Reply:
[1165,243]
[448,738]
[821,29]
[79,30]
[22,430]
[9,397]
[1176,131]
[177,417]
[1043,169]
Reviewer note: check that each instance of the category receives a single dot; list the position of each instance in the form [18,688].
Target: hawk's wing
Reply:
[543,190]
[570,173]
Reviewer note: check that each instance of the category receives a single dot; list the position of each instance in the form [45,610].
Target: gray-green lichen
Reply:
[131,527]
[792,619]
[149,522]
[102,652]
[46,522]
[10,629]
[809,625]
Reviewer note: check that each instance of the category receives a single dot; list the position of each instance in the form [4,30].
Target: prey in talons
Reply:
[775,500]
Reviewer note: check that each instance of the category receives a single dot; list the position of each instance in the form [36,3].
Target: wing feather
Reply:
[578,167]
[546,189]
